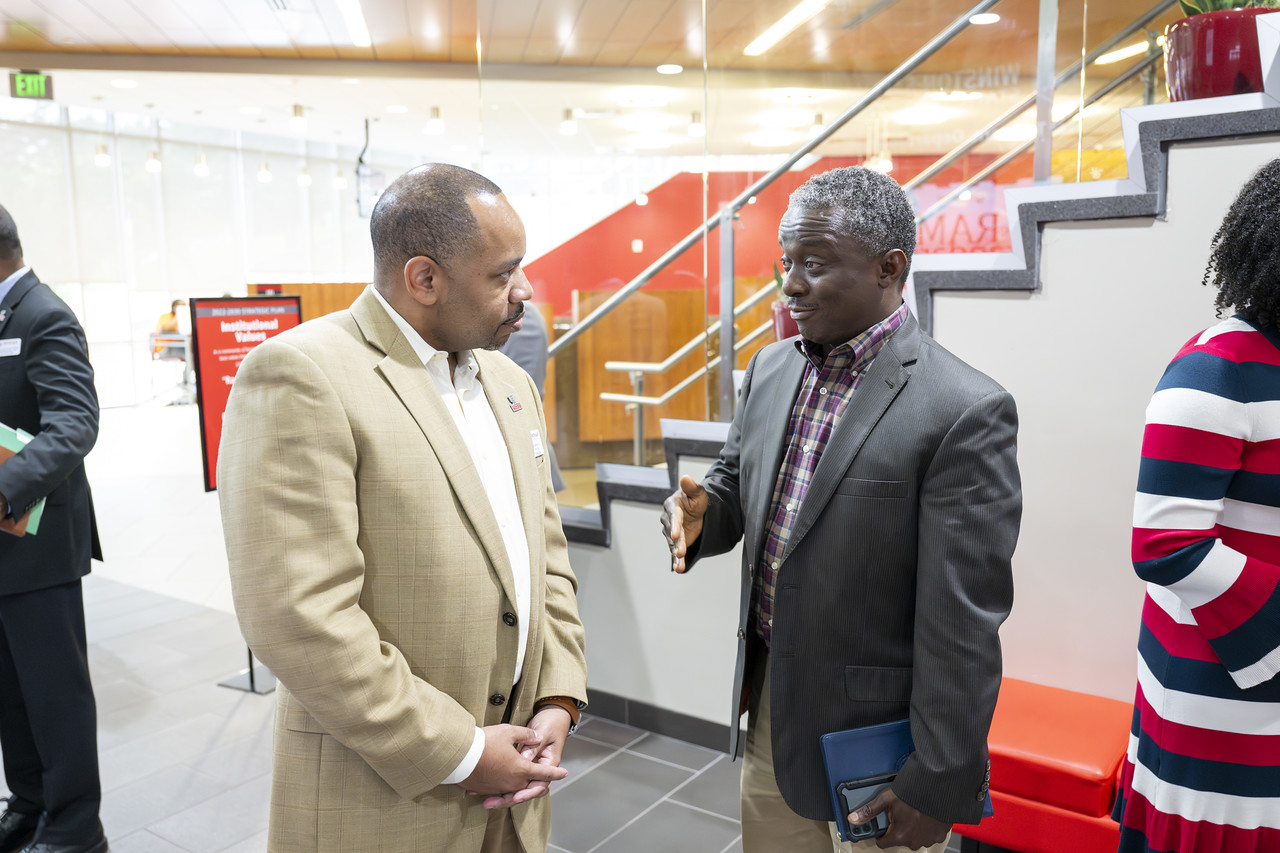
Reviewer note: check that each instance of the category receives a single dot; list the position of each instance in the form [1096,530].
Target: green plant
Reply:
[1195,7]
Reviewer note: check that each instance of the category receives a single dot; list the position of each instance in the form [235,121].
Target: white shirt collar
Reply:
[467,367]
[8,283]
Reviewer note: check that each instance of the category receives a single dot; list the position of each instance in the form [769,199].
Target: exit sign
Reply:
[30,84]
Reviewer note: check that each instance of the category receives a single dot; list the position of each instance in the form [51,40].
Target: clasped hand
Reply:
[519,763]
[908,827]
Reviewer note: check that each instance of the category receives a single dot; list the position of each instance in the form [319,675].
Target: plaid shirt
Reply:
[824,394]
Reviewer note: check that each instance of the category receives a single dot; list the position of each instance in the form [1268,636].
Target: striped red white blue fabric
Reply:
[1203,767]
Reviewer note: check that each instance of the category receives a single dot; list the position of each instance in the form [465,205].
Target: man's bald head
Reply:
[427,212]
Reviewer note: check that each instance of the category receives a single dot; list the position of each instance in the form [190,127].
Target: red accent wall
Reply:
[601,258]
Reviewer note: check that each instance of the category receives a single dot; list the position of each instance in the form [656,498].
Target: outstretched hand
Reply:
[682,519]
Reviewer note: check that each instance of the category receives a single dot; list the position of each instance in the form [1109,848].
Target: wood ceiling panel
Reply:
[126,17]
[552,27]
[631,28]
[76,26]
[508,19]
[21,36]
[596,23]
[430,23]
[462,31]
[188,37]
[388,22]
[206,14]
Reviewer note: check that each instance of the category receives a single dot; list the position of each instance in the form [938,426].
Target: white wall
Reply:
[1081,357]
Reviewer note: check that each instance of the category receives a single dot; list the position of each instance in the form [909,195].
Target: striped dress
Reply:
[1203,765]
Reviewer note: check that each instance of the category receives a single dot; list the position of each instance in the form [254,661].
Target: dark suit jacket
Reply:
[897,574]
[47,390]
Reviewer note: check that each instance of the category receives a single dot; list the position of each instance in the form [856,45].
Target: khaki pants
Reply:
[768,823]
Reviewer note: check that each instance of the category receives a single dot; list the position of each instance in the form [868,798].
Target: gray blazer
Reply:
[897,575]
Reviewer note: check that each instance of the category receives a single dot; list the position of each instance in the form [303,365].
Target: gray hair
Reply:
[864,204]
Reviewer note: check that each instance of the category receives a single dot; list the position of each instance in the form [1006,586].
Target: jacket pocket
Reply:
[878,683]
[857,488]
[296,719]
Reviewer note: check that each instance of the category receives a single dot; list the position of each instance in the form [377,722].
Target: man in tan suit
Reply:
[395,546]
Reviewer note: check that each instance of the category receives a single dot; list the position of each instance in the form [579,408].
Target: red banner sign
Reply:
[222,333]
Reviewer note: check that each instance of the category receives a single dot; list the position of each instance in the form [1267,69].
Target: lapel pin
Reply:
[515,404]
[4,314]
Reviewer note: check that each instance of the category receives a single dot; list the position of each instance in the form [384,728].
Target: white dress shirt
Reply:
[464,397]
[8,283]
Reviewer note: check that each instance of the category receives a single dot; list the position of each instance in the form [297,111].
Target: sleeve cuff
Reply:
[469,761]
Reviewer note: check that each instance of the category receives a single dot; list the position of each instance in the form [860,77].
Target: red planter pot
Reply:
[783,325]
[1213,54]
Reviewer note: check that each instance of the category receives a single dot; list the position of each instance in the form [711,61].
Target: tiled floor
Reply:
[186,764]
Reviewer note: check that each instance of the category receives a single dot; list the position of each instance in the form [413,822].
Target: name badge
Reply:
[537,443]
[10,346]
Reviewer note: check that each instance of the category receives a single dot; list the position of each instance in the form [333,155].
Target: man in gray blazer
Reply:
[873,476]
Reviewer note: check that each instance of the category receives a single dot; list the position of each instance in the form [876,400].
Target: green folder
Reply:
[13,440]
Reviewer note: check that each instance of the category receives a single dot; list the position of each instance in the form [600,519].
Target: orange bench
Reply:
[1055,763]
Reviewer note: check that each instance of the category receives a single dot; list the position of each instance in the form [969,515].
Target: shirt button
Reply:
[806,448]
[497,699]
[509,618]
[789,506]
[822,391]
[775,565]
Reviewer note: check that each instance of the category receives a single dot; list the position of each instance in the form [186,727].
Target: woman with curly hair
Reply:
[1202,773]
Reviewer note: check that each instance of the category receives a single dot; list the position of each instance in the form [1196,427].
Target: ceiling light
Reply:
[637,245]
[697,129]
[818,125]
[201,169]
[924,114]
[264,173]
[122,83]
[102,159]
[641,97]
[966,195]
[153,163]
[670,68]
[642,200]
[1126,52]
[803,11]
[304,179]
[340,181]
[751,200]
[569,125]
[981,20]
[772,138]
[435,124]
[882,162]
[397,108]
[297,121]
[353,17]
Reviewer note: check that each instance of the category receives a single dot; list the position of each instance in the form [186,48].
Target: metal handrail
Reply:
[1018,109]
[1009,156]
[910,64]
[663,366]
[640,400]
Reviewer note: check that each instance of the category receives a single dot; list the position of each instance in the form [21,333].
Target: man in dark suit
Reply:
[873,477]
[48,727]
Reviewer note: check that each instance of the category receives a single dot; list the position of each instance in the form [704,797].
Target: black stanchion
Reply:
[256,679]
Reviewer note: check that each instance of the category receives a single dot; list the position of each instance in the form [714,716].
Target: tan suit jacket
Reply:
[370,575]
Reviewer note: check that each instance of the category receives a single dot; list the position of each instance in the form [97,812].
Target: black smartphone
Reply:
[855,795]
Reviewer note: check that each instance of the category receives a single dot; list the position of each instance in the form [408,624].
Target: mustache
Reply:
[516,316]
[792,305]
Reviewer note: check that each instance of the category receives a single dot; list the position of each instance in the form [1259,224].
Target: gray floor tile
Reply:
[673,827]
[580,755]
[607,731]
[675,751]
[155,797]
[716,789]
[255,844]
[613,793]
[143,842]
[216,824]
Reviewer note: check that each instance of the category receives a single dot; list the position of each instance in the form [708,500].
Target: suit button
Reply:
[497,699]
[509,618]
[742,635]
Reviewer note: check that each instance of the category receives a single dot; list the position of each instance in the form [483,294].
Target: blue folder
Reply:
[857,756]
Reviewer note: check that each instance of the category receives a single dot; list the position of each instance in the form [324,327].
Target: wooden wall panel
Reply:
[318,298]
[646,327]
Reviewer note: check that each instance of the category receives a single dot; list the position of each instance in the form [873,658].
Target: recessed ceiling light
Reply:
[670,68]
[983,19]
[803,11]
[124,83]
[397,108]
